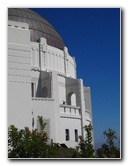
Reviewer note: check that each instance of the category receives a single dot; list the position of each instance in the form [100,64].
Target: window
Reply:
[67,134]
[33,89]
[76,135]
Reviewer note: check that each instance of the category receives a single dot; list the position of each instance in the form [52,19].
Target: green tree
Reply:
[27,144]
[85,146]
[103,152]
[110,136]
[108,149]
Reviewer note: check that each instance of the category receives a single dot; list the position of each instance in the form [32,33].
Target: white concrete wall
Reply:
[45,107]
[55,95]
[88,109]
[82,106]
[35,59]
[19,75]
[71,124]
[55,59]
[71,67]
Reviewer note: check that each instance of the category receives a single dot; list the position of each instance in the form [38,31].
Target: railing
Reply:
[68,109]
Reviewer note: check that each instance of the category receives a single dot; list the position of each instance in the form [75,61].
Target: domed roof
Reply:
[39,27]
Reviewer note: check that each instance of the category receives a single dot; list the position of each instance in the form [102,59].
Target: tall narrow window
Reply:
[66,134]
[76,135]
[32,89]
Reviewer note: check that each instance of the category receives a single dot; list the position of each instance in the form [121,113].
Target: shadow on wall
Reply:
[44,85]
[72,92]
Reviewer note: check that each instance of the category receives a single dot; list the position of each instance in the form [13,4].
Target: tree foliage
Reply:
[25,143]
[108,149]
[86,147]
[33,144]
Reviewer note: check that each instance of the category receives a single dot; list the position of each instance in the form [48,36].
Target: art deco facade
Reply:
[42,80]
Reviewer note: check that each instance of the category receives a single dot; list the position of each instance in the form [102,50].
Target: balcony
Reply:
[69,110]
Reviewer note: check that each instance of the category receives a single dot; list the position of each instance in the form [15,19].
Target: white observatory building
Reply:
[42,80]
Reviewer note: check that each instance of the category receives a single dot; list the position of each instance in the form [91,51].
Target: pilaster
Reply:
[65,60]
[82,105]
[57,107]
[43,54]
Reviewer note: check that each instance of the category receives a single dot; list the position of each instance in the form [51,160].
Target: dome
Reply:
[39,27]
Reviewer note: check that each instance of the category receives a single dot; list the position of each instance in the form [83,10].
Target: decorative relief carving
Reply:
[15,75]
[19,62]
[19,56]
[18,69]
[41,48]
[19,82]
[44,48]
[35,69]
[50,52]
[19,50]
[42,99]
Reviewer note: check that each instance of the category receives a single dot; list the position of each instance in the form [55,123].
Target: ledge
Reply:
[70,116]
[42,99]
[69,106]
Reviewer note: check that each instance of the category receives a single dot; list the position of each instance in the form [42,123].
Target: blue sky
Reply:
[92,36]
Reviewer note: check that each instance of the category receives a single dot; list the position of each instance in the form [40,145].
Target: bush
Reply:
[27,144]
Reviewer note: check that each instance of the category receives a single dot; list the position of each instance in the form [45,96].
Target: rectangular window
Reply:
[67,134]
[33,89]
[76,135]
